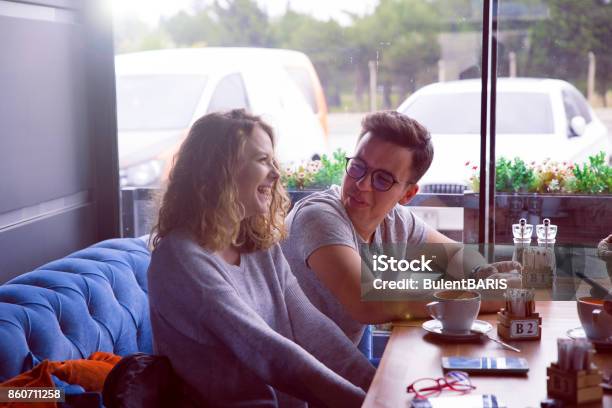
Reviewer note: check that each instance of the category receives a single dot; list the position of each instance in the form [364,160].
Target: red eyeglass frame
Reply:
[442,383]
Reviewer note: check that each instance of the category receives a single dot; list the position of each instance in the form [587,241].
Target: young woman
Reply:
[225,307]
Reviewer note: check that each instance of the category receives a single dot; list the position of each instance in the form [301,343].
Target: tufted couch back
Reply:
[92,300]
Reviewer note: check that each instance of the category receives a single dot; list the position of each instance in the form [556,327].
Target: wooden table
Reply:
[412,354]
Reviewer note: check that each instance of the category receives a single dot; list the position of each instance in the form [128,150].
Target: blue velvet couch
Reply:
[92,300]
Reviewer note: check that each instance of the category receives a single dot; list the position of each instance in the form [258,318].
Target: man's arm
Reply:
[339,268]
[462,262]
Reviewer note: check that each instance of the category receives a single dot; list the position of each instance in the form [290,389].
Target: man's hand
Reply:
[504,267]
[509,270]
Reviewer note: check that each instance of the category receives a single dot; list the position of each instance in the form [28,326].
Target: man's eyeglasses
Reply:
[458,381]
[382,180]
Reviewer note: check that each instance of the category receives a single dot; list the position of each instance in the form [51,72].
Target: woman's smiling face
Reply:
[257,173]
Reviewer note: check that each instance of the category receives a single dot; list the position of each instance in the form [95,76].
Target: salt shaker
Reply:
[522,238]
[522,232]
[546,232]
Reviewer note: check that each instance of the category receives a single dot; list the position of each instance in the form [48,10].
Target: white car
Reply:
[536,119]
[161,93]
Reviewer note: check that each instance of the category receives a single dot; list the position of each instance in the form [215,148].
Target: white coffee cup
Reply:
[455,309]
[595,320]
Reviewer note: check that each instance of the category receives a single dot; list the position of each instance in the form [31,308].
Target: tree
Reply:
[400,34]
[322,41]
[241,23]
[559,45]
[193,29]
[132,34]
[402,37]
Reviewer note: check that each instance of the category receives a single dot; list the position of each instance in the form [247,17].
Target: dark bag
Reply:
[143,380]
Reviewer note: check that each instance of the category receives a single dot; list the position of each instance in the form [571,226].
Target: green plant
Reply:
[331,170]
[510,175]
[317,173]
[522,176]
[513,175]
[301,176]
[594,177]
[552,177]
[474,178]
[503,179]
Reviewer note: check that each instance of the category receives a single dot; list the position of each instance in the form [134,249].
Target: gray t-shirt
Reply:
[320,220]
[247,335]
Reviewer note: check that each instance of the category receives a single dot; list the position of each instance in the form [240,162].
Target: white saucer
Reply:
[578,333]
[479,327]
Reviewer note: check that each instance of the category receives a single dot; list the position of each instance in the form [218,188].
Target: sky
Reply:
[150,11]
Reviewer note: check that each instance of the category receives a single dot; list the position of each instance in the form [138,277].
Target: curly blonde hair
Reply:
[201,193]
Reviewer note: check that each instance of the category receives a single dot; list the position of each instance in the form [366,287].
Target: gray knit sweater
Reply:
[247,335]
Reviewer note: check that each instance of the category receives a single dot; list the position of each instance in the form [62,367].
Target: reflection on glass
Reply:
[372,58]
[522,232]
[546,232]
[157,102]
[563,175]
[449,109]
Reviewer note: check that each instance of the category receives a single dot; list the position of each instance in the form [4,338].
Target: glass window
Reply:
[302,79]
[561,178]
[571,109]
[157,102]
[458,113]
[579,103]
[229,94]
[524,113]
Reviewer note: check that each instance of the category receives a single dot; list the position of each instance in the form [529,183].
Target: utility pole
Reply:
[441,70]
[591,78]
[373,79]
[512,61]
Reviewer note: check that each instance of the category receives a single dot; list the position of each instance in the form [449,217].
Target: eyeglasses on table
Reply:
[458,381]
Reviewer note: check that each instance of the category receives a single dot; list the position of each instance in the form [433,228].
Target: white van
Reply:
[161,93]
[303,73]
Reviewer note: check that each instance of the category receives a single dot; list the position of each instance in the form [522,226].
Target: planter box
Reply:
[582,219]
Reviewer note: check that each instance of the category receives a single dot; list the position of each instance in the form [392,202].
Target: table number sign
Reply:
[519,320]
[510,328]
[525,328]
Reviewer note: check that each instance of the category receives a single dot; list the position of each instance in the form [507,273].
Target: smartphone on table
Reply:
[486,365]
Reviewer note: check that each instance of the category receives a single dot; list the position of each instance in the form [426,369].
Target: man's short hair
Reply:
[397,128]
